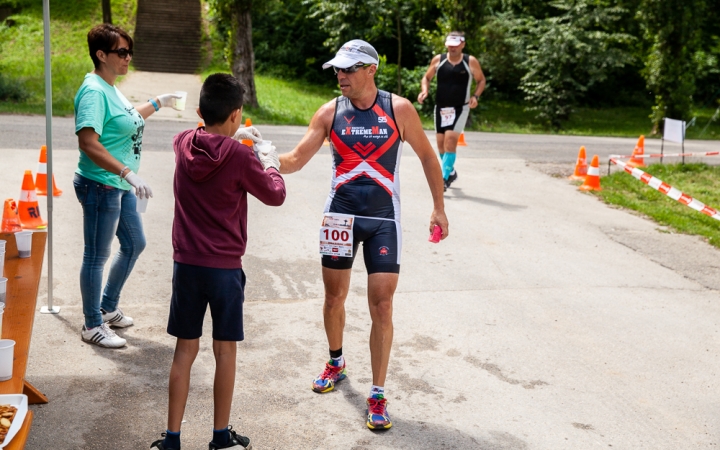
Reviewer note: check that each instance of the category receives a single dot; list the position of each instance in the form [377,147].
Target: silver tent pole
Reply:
[49,309]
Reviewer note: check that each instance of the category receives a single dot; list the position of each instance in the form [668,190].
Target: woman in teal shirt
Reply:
[109,131]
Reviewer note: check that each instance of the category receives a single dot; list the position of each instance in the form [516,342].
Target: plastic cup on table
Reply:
[180,102]
[24,243]
[141,205]
[2,310]
[3,289]
[7,348]
[2,245]
[2,262]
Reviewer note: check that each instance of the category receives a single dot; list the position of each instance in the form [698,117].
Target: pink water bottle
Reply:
[436,234]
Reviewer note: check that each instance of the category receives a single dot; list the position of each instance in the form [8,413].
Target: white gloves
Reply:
[168,99]
[269,159]
[251,133]
[142,189]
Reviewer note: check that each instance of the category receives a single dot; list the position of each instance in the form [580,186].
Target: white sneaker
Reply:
[102,336]
[116,318]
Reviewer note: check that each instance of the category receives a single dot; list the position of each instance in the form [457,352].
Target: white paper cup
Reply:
[142,203]
[2,262]
[3,289]
[7,348]
[24,243]
[2,245]
[180,102]
[263,146]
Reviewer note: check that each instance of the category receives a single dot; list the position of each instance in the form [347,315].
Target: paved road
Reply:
[546,321]
[28,132]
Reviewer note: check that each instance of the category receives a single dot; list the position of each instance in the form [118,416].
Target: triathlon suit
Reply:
[366,147]
[452,95]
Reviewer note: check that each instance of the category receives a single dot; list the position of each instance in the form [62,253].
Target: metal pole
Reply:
[48,142]
[662,143]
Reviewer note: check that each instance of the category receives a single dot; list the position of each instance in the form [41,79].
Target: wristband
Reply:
[476,97]
[123,170]
[155,105]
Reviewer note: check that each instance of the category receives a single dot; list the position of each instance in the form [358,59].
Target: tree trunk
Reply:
[107,12]
[243,56]
[399,64]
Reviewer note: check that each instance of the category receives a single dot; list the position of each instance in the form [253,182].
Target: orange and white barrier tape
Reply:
[667,155]
[668,190]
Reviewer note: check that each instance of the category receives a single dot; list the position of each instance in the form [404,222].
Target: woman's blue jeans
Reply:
[107,212]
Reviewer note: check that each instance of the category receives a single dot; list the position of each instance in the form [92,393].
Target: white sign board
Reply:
[674,131]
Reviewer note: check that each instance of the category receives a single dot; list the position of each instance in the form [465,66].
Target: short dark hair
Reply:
[105,37]
[221,94]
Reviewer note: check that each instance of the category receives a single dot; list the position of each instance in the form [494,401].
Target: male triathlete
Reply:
[366,128]
[453,102]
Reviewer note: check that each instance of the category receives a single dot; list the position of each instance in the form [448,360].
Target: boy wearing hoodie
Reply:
[213,175]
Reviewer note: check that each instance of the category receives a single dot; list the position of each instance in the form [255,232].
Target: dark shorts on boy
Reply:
[196,287]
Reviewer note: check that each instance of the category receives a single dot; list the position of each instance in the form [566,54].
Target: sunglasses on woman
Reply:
[122,52]
[351,69]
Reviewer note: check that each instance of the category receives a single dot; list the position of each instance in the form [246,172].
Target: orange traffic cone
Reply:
[639,150]
[10,220]
[200,125]
[461,141]
[248,122]
[592,180]
[28,207]
[581,166]
[41,176]
[326,142]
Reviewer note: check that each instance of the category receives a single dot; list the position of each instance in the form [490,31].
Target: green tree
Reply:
[343,20]
[235,19]
[566,54]
[673,29]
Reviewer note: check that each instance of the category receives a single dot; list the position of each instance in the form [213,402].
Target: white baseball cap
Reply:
[452,41]
[353,52]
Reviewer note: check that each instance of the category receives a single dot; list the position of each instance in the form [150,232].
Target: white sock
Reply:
[377,391]
[340,360]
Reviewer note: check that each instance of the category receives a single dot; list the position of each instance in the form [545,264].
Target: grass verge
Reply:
[22,52]
[284,102]
[698,180]
[506,117]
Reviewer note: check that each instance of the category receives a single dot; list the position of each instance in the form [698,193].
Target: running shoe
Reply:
[102,336]
[325,382]
[159,444]
[377,415]
[236,441]
[452,177]
[116,318]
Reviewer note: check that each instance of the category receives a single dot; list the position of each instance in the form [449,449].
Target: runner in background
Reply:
[453,102]
[366,128]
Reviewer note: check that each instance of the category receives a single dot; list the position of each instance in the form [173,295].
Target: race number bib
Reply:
[336,235]
[447,116]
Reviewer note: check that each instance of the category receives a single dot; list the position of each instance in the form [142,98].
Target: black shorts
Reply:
[382,244]
[193,288]
[457,125]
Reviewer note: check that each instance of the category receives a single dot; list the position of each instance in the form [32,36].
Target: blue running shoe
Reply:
[377,415]
[325,382]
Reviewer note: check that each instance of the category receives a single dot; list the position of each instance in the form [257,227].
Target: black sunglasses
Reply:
[122,52]
[351,69]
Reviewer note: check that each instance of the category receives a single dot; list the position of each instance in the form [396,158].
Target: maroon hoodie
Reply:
[213,175]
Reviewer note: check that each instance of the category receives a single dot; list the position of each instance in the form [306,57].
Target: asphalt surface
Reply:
[547,320]
[28,132]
